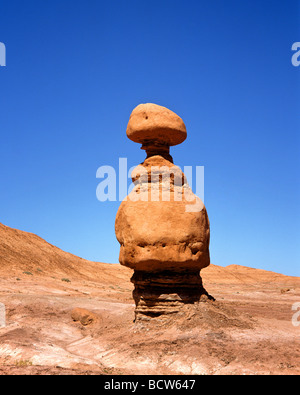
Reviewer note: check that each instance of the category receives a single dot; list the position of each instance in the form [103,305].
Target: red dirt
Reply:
[247,330]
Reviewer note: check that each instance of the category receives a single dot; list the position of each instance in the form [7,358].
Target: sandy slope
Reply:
[248,330]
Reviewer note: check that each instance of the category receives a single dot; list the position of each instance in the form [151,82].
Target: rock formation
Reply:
[162,227]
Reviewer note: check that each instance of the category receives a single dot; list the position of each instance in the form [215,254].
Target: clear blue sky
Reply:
[75,71]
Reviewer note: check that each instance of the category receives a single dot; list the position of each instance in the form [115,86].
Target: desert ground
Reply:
[248,329]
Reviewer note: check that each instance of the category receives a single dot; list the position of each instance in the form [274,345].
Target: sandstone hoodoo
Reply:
[162,227]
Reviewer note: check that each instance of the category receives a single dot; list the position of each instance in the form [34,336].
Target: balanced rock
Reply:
[162,227]
[156,128]
[150,122]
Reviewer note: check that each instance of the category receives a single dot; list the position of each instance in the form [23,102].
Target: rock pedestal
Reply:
[162,227]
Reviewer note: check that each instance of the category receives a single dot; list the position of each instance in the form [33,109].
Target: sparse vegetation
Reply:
[23,363]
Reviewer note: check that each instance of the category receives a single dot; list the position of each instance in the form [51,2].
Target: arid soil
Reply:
[247,330]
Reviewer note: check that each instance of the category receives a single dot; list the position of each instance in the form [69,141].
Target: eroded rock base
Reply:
[165,293]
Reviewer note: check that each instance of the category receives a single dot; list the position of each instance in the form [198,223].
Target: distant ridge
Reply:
[26,252]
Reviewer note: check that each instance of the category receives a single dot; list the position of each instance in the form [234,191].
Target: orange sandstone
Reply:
[162,227]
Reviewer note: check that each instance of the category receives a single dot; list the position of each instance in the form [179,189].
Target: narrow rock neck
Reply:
[153,148]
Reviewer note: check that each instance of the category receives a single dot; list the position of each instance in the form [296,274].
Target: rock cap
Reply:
[153,123]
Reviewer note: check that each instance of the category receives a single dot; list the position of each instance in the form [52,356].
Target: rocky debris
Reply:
[85,317]
[162,227]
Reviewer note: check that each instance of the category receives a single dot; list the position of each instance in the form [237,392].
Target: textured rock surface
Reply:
[162,227]
[150,122]
[161,235]
[163,293]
